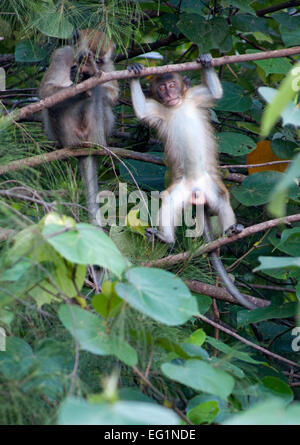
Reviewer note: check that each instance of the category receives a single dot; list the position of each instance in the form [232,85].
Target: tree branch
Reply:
[247,342]
[66,153]
[221,294]
[171,260]
[103,77]
[269,9]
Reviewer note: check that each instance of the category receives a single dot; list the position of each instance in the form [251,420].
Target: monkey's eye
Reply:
[172,85]
[162,88]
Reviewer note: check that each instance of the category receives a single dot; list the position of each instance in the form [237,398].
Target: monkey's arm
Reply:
[211,87]
[213,83]
[147,110]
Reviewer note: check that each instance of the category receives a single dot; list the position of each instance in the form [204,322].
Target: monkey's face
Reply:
[170,92]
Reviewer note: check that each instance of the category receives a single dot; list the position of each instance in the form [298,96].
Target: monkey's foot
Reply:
[235,229]
[205,60]
[136,68]
[150,233]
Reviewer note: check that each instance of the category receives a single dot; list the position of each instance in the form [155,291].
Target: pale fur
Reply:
[190,151]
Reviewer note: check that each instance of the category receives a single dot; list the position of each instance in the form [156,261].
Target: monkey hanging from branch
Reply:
[180,116]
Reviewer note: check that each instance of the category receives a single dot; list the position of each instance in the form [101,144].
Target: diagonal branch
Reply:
[171,260]
[278,7]
[247,342]
[103,77]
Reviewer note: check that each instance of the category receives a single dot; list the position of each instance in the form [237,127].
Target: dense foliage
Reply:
[144,350]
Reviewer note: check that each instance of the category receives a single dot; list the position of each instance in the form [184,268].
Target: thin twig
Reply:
[247,342]
[256,165]
[160,394]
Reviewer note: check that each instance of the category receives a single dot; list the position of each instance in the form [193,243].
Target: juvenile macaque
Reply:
[180,116]
[87,117]
[102,50]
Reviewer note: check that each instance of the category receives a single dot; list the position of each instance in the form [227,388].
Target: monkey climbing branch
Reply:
[104,77]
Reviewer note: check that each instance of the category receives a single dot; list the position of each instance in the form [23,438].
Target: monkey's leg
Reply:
[88,171]
[170,212]
[227,218]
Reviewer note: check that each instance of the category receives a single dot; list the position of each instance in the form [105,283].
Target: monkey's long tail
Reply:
[221,271]
[88,171]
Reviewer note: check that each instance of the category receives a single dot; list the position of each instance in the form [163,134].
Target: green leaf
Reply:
[286,20]
[279,102]
[284,188]
[90,331]
[256,189]
[271,66]
[270,412]
[200,376]
[235,144]
[231,351]
[17,270]
[197,337]
[28,51]
[86,244]
[204,302]
[234,99]
[277,388]
[206,34]
[146,175]
[221,403]
[289,242]
[270,262]
[191,6]
[290,37]
[249,23]
[159,294]
[17,360]
[169,22]
[241,4]
[75,411]
[53,24]
[107,304]
[283,148]
[266,313]
[205,412]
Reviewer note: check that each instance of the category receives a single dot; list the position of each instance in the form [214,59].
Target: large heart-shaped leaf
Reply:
[86,244]
[75,411]
[200,376]
[235,144]
[159,294]
[90,331]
